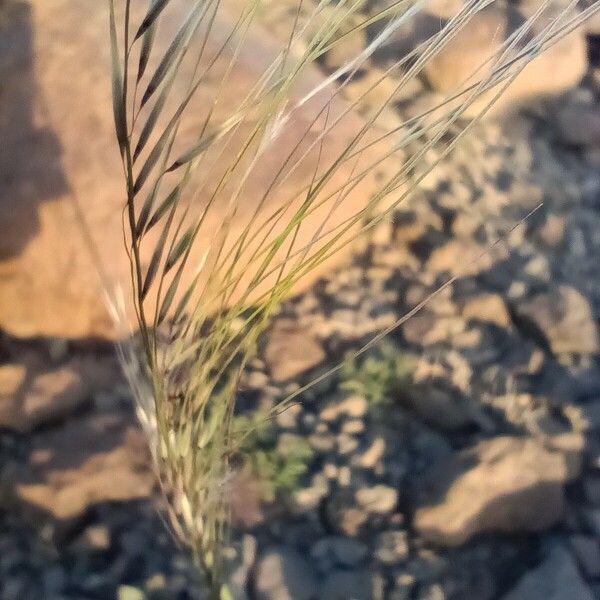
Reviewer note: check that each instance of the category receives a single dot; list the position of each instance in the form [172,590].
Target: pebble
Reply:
[391,547]
[564,318]
[339,551]
[353,407]
[283,574]
[477,490]
[373,455]
[380,499]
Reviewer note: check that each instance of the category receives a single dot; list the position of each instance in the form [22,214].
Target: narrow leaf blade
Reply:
[195,151]
[151,16]
[145,52]
[185,298]
[175,49]
[180,247]
[117,84]
[170,295]
[154,263]
[152,160]
[171,199]
[150,123]
[146,208]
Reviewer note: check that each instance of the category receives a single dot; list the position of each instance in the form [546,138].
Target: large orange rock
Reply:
[469,58]
[61,172]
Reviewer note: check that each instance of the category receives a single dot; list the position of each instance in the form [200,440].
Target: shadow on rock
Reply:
[30,156]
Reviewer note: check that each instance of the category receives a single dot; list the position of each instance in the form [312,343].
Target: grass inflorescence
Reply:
[205,288]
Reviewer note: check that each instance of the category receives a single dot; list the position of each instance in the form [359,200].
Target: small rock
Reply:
[489,308]
[391,547]
[374,94]
[255,380]
[32,395]
[346,444]
[380,499]
[344,476]
[322,442]
[551,232]
[564,318]
[440,406]
[444,9]
[288,418]
[289,351]
[539,268]
[348,47]
[578,124]
[353,406]
[308,499]
[465,225]
[343,515]
[98,458]
[347,585]
[282,574]
[339,551]
[572,446]
[373,455]
[460,258]
[125,592]
[433,591]
[584,417]
[505,484]
[354,426]
[94,538]
[404,585]
[556,578]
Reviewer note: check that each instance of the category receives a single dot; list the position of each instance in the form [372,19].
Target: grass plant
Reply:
[199,319]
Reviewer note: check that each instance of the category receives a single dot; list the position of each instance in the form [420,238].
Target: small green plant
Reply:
[379,377]
[277,462]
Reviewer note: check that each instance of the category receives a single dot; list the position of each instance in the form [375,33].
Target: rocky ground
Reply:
[471,472]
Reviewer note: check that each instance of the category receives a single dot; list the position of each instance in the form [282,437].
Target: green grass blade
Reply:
[179,45]
[205,143]
[170,294]
[152,119]
[117,84]
[146,208]
[152,159]
[153,13]
[180,247]
[147,44]
[171,199]
[155,261]
[185,299]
